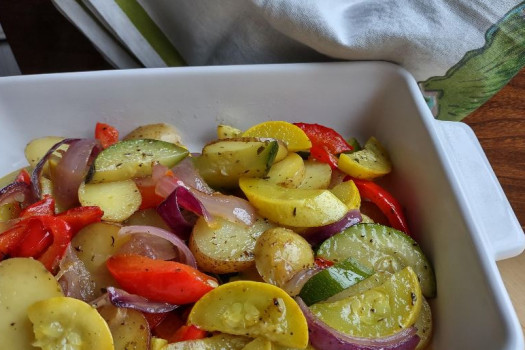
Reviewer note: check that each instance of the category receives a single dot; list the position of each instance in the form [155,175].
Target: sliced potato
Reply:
[280,253]
[282,151]
[94,244]
[223,162]
[288,172]
[226,247]
[147,217]
[23,281]
[9,211]
[37,148]
[227,131]
[129,328]
[119,199]
[348,193]
[259,344]
[317,175]
[9,178]
[160,131]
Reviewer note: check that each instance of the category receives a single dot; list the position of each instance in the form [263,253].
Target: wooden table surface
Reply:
[45,42]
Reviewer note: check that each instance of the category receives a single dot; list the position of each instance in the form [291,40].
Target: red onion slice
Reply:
[171,211]
[180,197]
[149,246]
[16,192]
[317,235]
[294,285]
[71,171]
[186,172]
[324,337]
[210,203]
[231,208]
[121,298]
[185,256]
[37,172]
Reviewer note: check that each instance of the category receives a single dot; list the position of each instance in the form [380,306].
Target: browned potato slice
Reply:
[160,131]
[288,172]
[94,244]
[317,175]
[129,328]
[147,217]
[226,247]
[37,148]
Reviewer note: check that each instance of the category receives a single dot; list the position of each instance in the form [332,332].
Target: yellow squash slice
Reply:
[254,309]
[369,163]
[64,323]
[292,135]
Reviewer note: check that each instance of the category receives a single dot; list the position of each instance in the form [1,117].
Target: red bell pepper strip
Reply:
[106,134]
[35,241]
[326,143]
[42,237]
[190,332]
[159,280]
[323,263]
[385,201]
[150,199]
[61,233]
[11,238]
[45,206]
[23,176]
[79,217]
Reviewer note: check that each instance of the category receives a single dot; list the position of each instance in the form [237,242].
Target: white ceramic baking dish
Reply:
[454,203]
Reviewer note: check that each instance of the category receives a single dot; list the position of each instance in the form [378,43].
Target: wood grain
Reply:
[43,41]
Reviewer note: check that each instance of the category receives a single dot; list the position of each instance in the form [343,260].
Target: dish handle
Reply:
[488,204]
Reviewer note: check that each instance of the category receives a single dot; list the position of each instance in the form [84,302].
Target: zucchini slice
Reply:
[333,280]
[380,248]
[224,161]
[133,158]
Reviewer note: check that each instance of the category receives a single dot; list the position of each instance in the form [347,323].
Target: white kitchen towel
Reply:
[460,51]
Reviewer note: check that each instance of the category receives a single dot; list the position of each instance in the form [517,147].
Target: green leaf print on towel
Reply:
[482,72]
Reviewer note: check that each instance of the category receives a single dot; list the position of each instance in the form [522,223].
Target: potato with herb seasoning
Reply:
[159,131]
[280,253]
[93,245]
[225,246]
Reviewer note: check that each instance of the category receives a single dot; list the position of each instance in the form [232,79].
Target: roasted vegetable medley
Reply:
[274,237]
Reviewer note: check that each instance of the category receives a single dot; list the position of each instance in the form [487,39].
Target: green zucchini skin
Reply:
[132,159]
[380,248]
[332,280]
